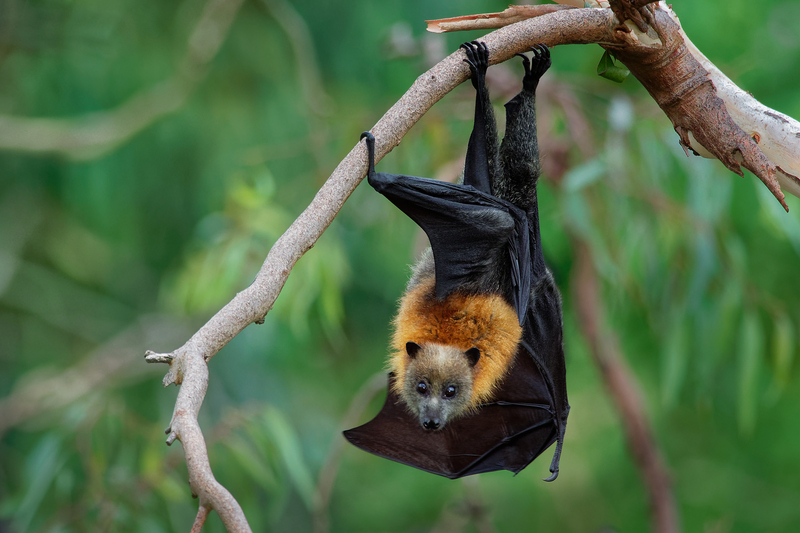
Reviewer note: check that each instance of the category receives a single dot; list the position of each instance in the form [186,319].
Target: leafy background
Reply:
[105,255]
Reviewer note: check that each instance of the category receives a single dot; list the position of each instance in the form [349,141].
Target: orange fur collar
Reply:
[485,321]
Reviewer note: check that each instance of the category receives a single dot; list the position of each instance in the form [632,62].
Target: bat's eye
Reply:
[422,388]
[450,391]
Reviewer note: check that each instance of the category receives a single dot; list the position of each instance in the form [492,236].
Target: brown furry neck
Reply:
[485,321]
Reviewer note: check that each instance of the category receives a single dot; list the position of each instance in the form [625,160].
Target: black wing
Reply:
[469,231]
[506,434]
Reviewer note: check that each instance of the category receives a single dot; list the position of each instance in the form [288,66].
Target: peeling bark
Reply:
[711,115]
[682,88]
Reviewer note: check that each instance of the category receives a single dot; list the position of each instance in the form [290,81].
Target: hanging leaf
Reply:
[583,175]
[288,444]
[750,346]
[783,343]
[674,363]
[610,69]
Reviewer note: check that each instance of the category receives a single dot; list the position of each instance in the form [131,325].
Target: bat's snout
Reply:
[431,424]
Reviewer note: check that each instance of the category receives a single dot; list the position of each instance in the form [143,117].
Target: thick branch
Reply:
[777,135]
[683,89]
[712,116]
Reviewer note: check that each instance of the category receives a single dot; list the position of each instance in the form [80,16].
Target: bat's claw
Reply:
[536,66]
[370,153]
[552,477]
[477,59]
[557,454]
[541,59]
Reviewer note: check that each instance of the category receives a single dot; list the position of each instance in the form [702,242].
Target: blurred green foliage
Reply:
[102,258]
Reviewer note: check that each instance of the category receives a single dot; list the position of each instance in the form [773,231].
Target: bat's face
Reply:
[438,382]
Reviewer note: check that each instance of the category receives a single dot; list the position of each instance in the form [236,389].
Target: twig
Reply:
[621,385]
[95,134]
[491,21]
[327,474]
[107,365]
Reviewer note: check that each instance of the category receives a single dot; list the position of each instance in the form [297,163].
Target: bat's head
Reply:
[438,382]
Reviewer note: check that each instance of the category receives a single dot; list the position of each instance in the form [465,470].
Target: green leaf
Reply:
[288,445]
[750,347]
[674,363]
[582,175]
[610,70]
[44,462]
[783,343]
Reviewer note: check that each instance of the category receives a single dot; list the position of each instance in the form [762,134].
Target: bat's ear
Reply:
[473,354]
[412,349]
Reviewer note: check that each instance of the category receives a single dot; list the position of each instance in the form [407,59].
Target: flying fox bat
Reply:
[478,380]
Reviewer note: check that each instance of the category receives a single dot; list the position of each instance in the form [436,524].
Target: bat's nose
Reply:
[431,423]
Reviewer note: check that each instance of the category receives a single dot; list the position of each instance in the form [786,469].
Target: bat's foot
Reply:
[370,153]
[478,61]
[536,66]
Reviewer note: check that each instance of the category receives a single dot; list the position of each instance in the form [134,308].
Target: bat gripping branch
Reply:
[371,150]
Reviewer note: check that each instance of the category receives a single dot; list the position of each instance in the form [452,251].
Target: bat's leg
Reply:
[481,163]
[519,153]
[556,457]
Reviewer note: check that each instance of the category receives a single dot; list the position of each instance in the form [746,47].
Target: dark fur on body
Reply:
[513,170]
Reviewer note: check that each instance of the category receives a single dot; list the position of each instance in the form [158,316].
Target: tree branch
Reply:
[606,354]
[711,115]
[621,385]
[188,363]
[330,468]
[95,134]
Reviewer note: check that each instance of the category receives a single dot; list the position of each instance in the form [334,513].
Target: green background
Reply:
[105,255]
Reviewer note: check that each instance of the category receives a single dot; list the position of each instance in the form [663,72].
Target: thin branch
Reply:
[621,384]
[327,475]
[95,134]
[184,427]
[305,57]
[104,367]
